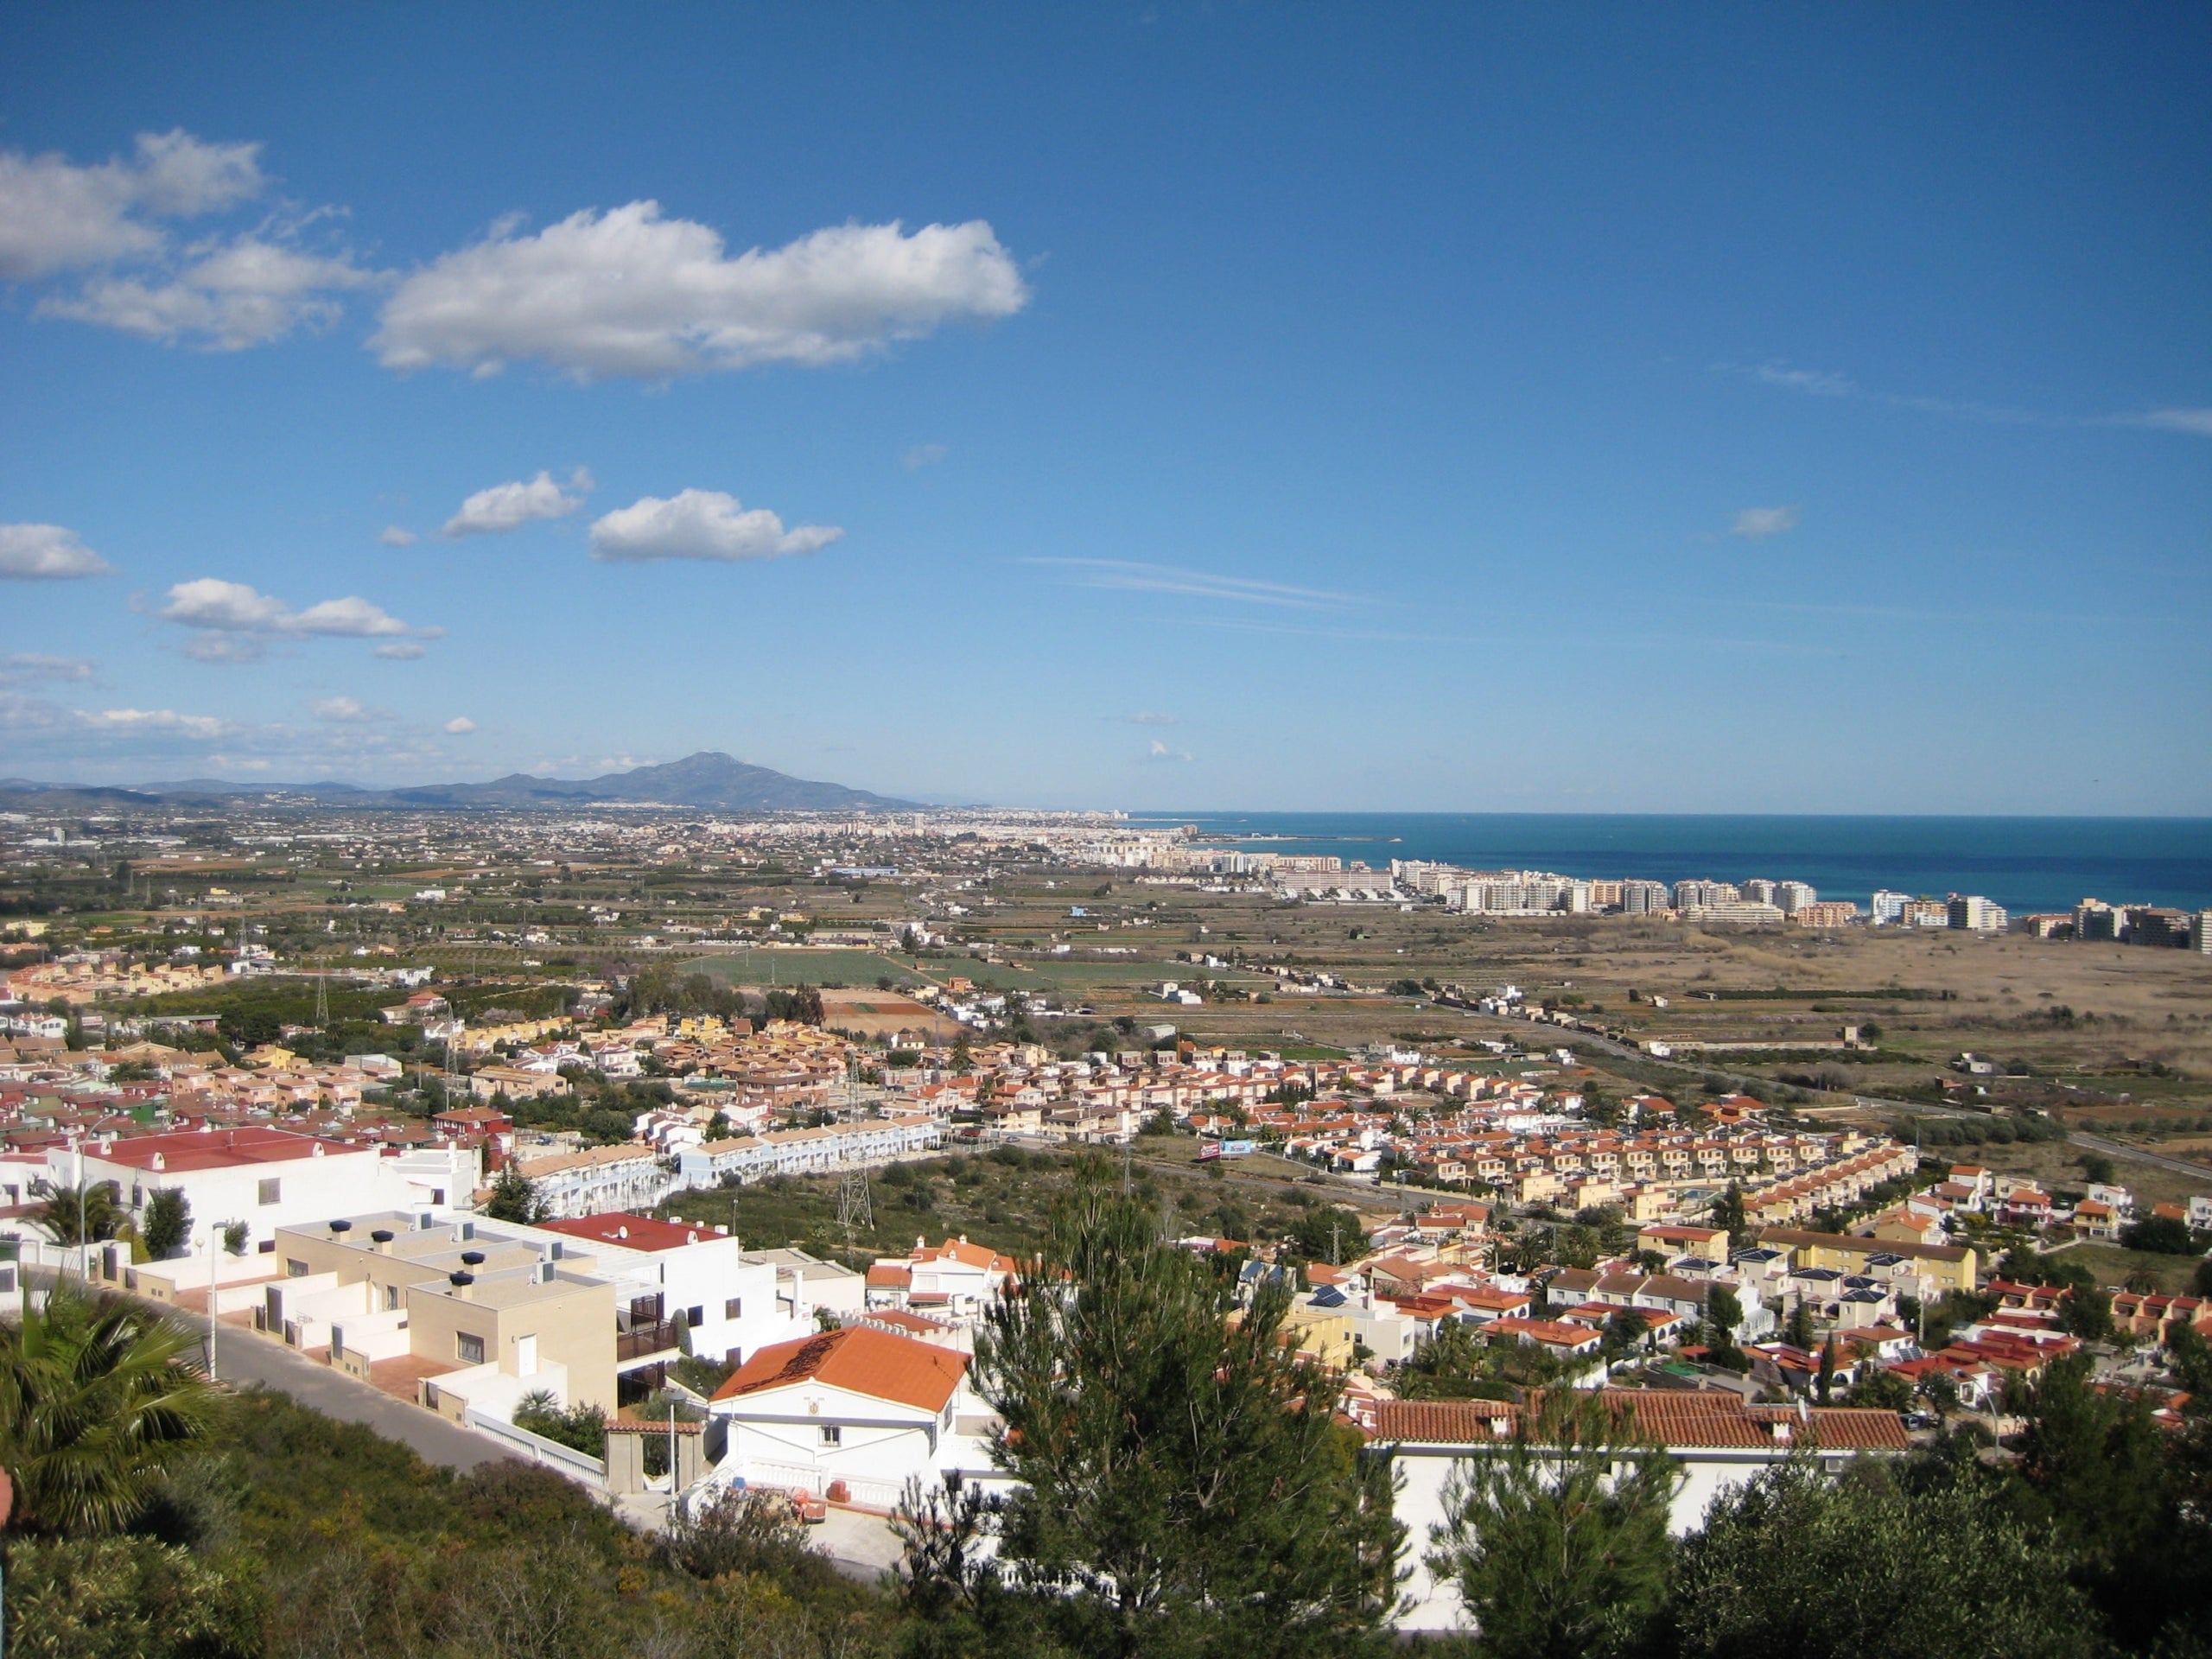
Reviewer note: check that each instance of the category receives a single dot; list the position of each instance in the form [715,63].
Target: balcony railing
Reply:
[642,1339]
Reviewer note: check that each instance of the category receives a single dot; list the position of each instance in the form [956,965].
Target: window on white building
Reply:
[272,1191]
[832,1435]
[734,1308]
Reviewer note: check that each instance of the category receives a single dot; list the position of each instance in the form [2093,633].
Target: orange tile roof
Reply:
[858,1360]
[1681,1419]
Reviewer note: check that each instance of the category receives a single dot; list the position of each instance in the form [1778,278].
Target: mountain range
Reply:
[706,779]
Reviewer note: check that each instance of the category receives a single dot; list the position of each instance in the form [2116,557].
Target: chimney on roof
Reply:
[623,1231]
[315,1151]
[462,1283]
[381,1239]
[160,1161]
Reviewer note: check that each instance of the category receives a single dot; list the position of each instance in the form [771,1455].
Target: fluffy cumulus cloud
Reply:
[1756,524]
[345,711]
[702,525]
[46,553]
[629,292]
[232,619]
[225,296]
[509,506]
[393,536]
[110,220]
[459,726]
[1160,751]
[57,216]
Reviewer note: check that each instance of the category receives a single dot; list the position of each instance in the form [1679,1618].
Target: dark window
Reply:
[734,1308]
[296,1269]
[267,1247]
[272,1191]
[695,1317]
[831,1435]
[470,1349]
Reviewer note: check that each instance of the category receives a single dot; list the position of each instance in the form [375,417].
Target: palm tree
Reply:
[99,1206]
[97,1400]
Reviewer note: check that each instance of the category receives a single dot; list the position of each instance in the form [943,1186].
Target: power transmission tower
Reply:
[321,1002]
[856,1210]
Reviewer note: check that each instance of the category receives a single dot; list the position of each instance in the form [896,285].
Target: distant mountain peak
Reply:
[709,780]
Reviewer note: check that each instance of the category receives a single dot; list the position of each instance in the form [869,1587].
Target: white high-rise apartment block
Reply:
[1887,908]
[1759,890]
[1794,896]
[1641,898]
[1975,914]
[1703,895]
[2200,932]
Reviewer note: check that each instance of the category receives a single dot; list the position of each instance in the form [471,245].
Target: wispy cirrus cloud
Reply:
[1129,575]
[1822,383]
[1153,720]
[1758,524]
[19,665]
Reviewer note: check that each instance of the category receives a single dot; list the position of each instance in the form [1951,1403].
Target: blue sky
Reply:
[1487,408]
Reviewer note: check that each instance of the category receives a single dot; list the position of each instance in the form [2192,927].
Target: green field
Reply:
[757,968]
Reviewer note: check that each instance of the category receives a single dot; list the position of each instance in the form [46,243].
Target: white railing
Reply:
[579,1466]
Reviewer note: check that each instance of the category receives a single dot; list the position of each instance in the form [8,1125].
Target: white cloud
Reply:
[1130,576]
[393,536]
[923,454]
[1154,720]
[57,216]
[403,650]
[702,525]
[1160,750]
[38,666]
[509,506]
[2197,422]
[346,711]
[628,292]
[227,296]
[461,726]
[226,648]
[1817,382]
[46,553]
[156,720]
[233,619]
[1756,524]
[225,292]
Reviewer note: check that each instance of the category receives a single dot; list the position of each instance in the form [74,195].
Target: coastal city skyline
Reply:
[1426,412]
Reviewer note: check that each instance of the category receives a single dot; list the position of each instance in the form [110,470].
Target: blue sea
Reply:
[2024,864]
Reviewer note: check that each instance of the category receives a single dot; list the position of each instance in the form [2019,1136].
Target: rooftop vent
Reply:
[471,1258]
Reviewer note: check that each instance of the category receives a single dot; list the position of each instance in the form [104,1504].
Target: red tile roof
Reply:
[632,1232]
[858,1360]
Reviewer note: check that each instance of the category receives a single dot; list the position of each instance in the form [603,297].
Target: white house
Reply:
[858,1406]
[598,1179]
[665,1273]
[1720,1441]
[265,1178]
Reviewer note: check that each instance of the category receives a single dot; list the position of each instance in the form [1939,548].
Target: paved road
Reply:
[241,1358]
[2116,1149]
